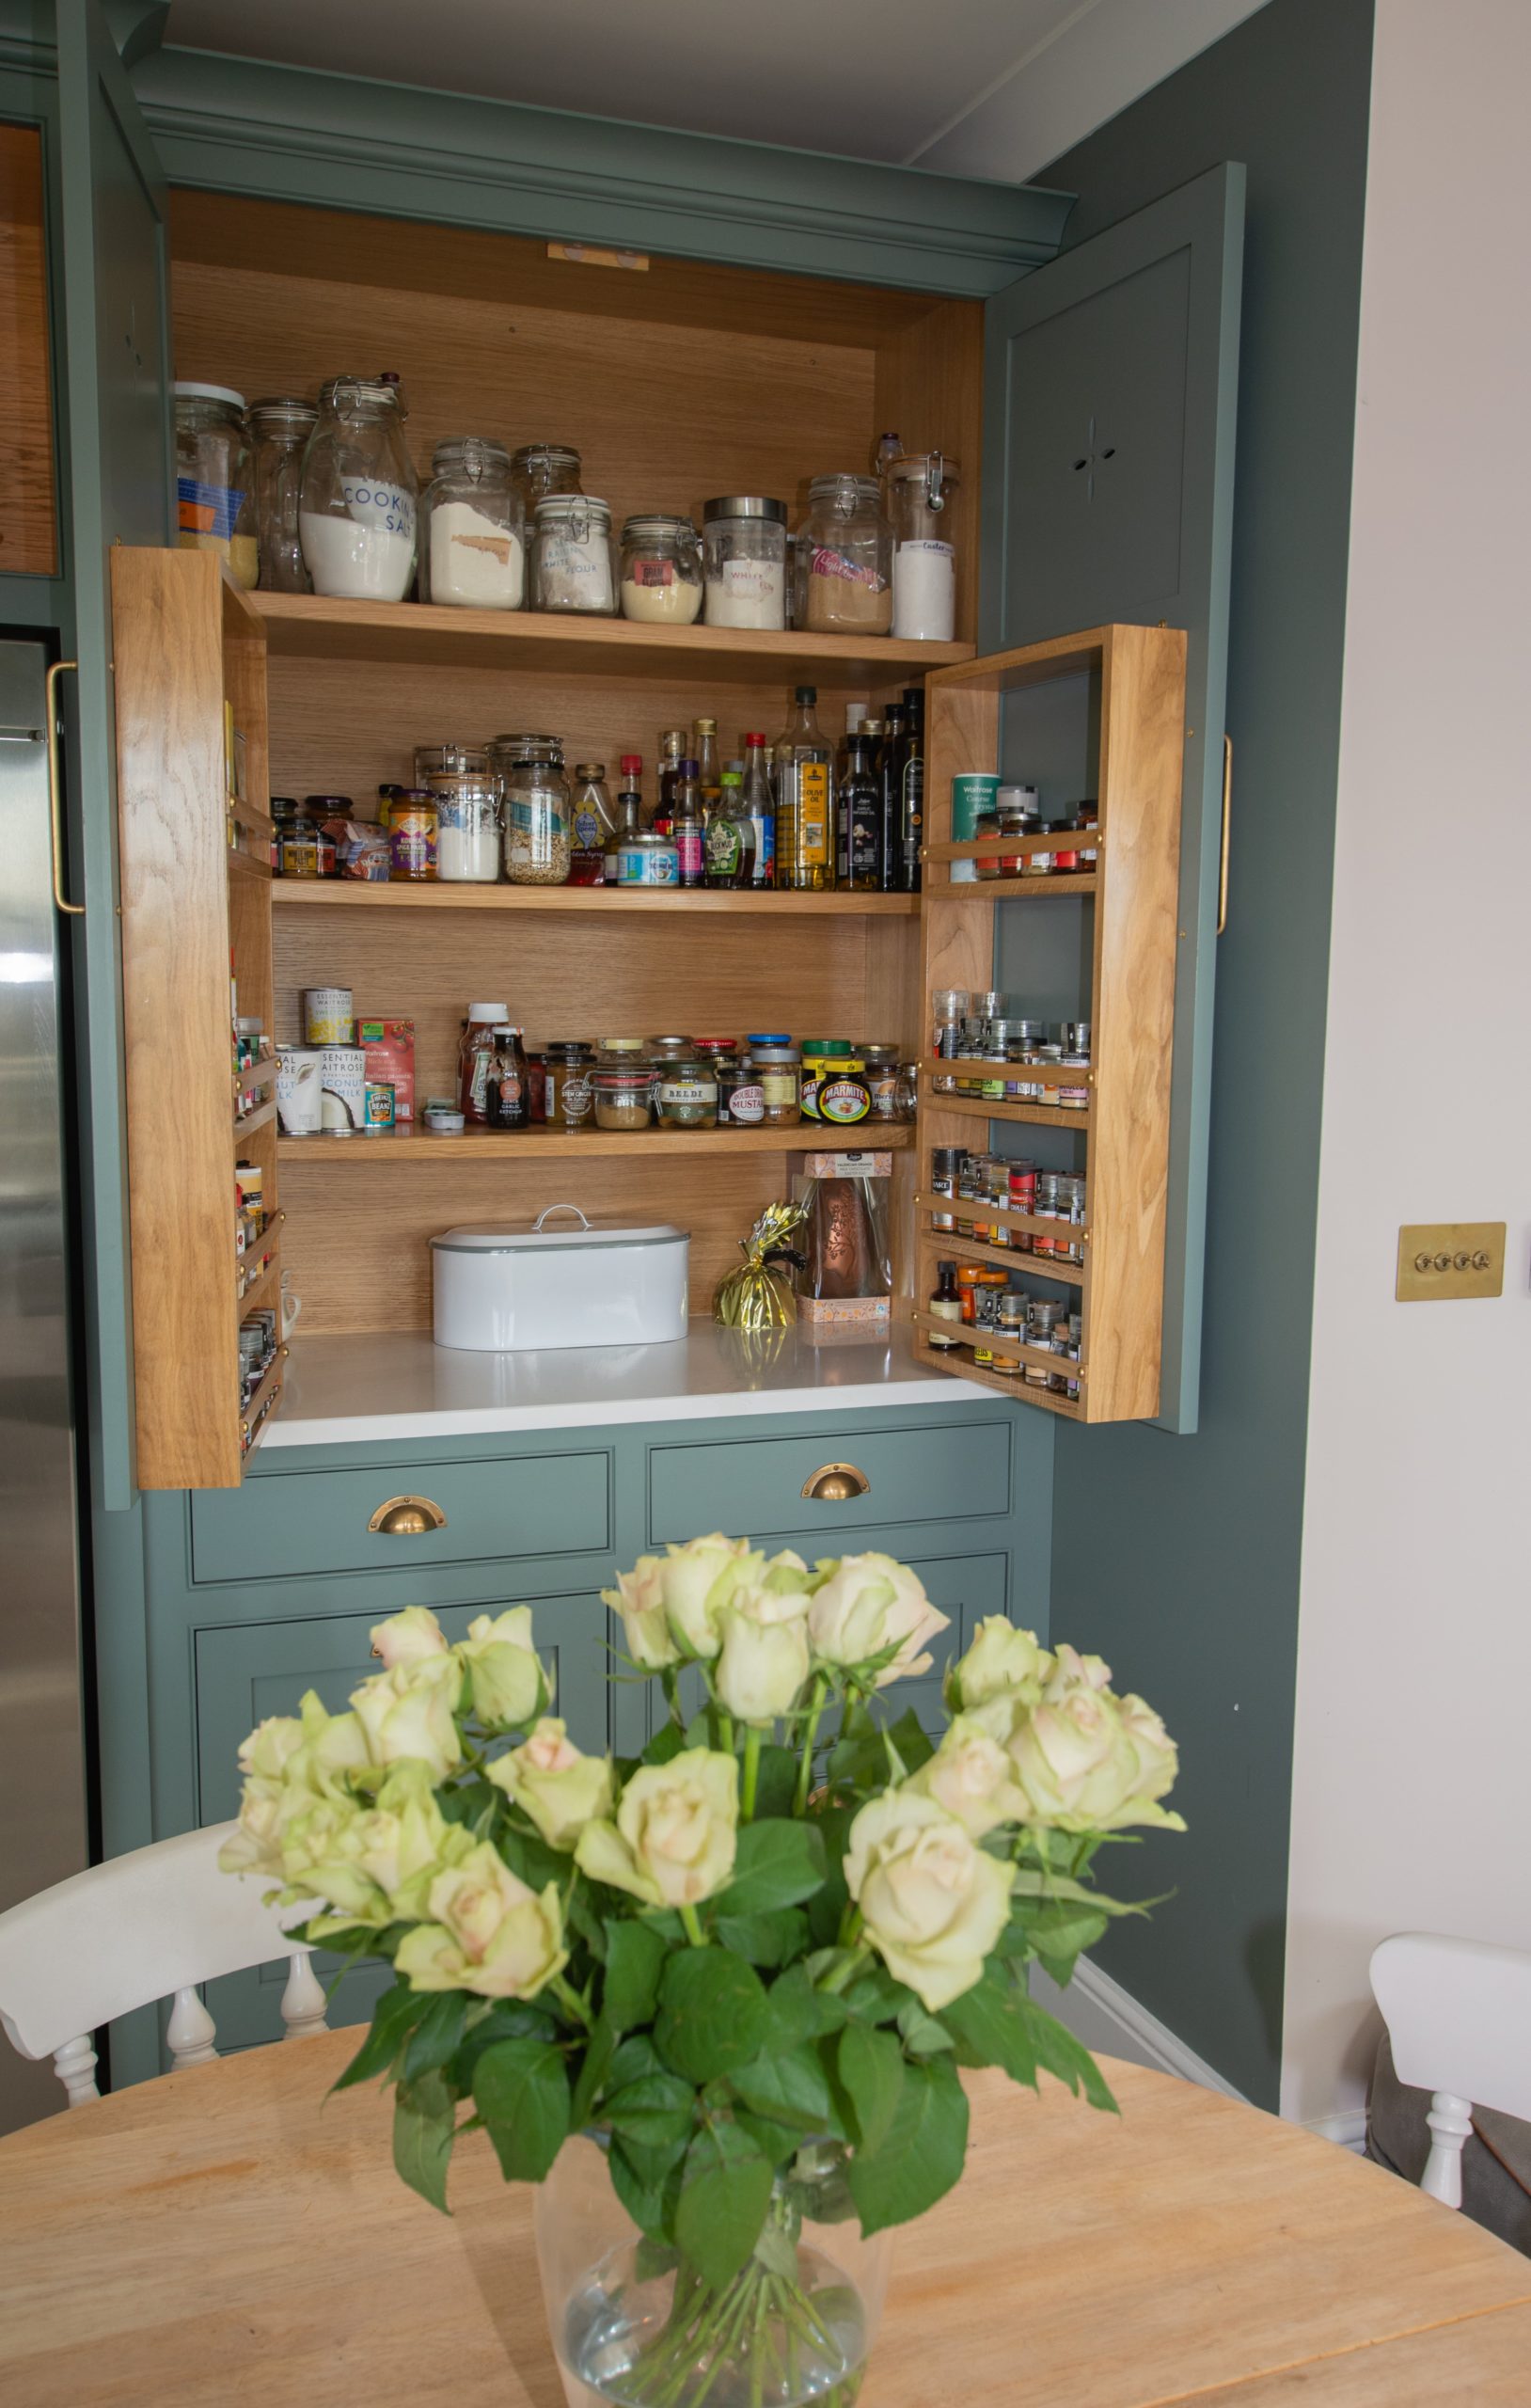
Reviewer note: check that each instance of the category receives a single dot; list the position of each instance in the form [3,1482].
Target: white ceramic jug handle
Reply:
[292,1306]
[559,1207]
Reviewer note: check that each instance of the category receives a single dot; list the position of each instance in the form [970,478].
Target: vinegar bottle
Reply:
[803,798]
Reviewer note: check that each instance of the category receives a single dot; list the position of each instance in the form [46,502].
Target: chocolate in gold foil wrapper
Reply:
[759,1294]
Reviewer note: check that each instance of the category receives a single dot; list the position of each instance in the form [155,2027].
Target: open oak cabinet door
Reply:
[1109,406]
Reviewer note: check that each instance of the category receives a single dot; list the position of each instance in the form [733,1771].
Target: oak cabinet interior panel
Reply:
[29,495]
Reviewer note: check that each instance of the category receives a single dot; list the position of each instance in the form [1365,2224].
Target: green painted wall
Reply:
[1177,1558]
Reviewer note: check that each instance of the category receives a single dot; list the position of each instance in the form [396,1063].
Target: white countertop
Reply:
[345,1391]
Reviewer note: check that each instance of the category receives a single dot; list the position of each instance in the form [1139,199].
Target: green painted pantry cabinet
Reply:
[697,316]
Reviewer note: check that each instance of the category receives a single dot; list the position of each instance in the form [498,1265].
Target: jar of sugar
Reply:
[357,510]
[472,535]
[661,570]
[922,489]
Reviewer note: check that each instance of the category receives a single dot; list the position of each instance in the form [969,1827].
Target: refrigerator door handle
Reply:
[55,796]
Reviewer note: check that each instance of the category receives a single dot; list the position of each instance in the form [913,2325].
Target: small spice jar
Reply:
[745,560]
[687,1094]
[741,1099]
[299,841]
[1087,820]
[472,536]
[622,1097]
[541,469]
[574,562]
[414,833]
[567,1062]
[778,1070]
[661,571]
[881,1063]
[845,560]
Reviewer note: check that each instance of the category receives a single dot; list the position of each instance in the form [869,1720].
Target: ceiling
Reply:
[894,80]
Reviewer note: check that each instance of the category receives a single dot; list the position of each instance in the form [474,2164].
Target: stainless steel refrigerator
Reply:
[43,1775]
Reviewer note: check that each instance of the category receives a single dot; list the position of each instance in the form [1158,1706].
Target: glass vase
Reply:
[634,2324]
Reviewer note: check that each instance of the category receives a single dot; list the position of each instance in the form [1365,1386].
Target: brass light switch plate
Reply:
[1440,1259]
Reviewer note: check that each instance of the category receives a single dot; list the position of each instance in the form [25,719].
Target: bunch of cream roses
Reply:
[344,1808]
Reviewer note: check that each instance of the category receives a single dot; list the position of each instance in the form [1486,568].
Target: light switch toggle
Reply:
[1447,1258]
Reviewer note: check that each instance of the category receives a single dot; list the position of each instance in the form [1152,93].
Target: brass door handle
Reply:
[56,786]
[835,1484]
[1227,817]
[407,1517]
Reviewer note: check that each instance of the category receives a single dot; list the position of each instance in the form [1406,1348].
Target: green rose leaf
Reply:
[424,2121]
[634,1957]
[765,1940]
[871,2066]
[874,1996]
[790,2086]
[775,1782]
[1057,2047]
[920,2151]
[532,1860]
[799,2012]
[825,1911]
[465,1804]
[648,2196]
[437,2035]
[599,2050]
[507,2020]
[778,2141]
[923,2035]
[989,2029]
[394,2018]
[778,1865]
[910,1738]
[668,1741]
[522,2092]
[657,2111]
[712,2013]
[636,2058]
[724,2194]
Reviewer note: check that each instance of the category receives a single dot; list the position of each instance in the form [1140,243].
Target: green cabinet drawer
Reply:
[293,1524]
[958,1471]
[246,1671]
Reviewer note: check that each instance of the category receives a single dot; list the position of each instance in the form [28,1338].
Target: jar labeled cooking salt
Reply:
[661,571]
[472,550]
[745,541]
[921,487]
[574,565]
[356,514]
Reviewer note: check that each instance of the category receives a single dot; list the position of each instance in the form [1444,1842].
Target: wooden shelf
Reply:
[1002,1382]
[313,627]
[1012,889]
[560,1145]
[946,1243]
[248,1123]
[978,1107]
[405,894]
[1036,1224]
[970,1066]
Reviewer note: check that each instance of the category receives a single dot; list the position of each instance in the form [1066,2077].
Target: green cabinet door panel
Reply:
[116,385]
[302,1523]
[957,1471]
[1109,412]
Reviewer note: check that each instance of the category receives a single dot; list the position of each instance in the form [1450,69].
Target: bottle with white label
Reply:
[804,779]
[922,488]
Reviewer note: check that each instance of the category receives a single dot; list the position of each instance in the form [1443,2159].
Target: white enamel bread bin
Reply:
[502,1292]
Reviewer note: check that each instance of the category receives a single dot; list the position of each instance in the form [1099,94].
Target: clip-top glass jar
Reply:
[574,564]
[468,826]
[472,542]
[214,503]
[920,488]
[279,430]
[845,560]
[541,469]
[745,541]
[661,570]
[539,838]
[356,516]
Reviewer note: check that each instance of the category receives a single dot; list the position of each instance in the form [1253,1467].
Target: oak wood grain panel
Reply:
[1483,2361]
[168,630]
[937,1244]
[1136,940]
[235,2219]
[600,902]
[402,1150]
[930,390]
[28,513]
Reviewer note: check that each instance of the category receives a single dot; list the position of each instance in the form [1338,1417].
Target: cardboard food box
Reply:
[389,1048]
[864,1316]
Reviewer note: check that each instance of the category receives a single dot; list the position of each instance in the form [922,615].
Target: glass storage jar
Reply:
[843,560]
[541,469]
[573,558]
[568,1068]
[921,487]
[687,1094]
[472,538]
[661,570]
[778,1071]
[448,761]
[279,430]
[467,828]
[215,501]
[622,1097]
[356,514]
[745,563]
[534,805]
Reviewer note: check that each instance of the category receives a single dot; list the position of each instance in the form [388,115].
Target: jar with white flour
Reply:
[357,516]
[746,558]
[573,558]
[472,544]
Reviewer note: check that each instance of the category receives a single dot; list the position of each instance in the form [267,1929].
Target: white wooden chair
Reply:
[130,1932]
[1459,2014]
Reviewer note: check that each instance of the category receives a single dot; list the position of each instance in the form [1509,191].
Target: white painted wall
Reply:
[1412,1771]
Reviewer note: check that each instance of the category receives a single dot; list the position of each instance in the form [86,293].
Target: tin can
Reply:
[379,1107]
[299,1081]
[646,859]
[328,1017]
[343,1085]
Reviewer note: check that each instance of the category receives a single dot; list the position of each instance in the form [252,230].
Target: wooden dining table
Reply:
[232,2234]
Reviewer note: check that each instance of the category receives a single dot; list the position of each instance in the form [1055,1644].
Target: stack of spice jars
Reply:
[1015,813]
[975,1181]
[977,1029]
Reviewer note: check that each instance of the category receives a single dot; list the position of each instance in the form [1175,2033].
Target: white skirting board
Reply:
[1106,2017]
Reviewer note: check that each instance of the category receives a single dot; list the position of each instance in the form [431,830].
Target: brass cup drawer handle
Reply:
[836,1483]
[407,1517]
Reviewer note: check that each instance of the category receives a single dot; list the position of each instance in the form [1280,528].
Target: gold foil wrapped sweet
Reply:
[759,1294]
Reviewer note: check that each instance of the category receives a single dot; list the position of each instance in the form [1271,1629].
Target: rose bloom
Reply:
[696,1580]
[488,1932]
[1094,1763]
[639,1599]
[510,1687]
[672,1842]
[408,1638]
[1072,1671]
[866,1605]
[932,1904]
[1002,1661]
[409,1713]
[972,1777]
[763,1662]
[553,1784]
[288,1761]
